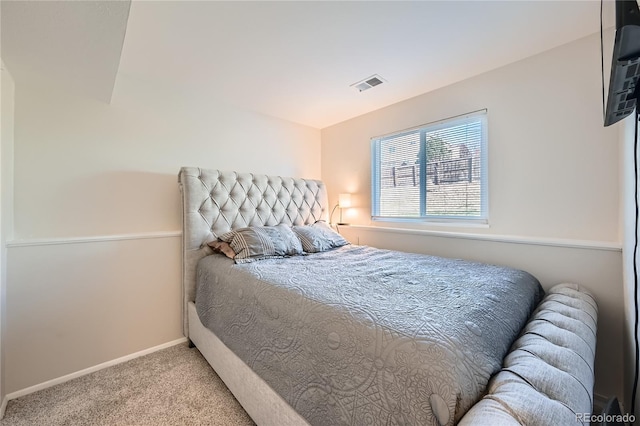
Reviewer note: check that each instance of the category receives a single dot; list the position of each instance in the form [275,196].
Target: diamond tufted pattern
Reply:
[547,378]
[215,202]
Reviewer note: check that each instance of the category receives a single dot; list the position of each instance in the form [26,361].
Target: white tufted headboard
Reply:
[215,202]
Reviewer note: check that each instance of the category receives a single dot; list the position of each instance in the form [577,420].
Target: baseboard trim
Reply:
[3,406]
[66,378]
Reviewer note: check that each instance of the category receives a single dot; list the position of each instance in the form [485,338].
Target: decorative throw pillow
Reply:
[222,247]
[262,242]
[319,237]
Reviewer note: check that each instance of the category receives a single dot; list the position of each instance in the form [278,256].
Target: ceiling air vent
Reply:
[368,83]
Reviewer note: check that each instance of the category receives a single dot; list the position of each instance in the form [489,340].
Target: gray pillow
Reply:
[262,242]
[319,237]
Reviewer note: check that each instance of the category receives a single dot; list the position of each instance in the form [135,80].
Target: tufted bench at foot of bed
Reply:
[547,377]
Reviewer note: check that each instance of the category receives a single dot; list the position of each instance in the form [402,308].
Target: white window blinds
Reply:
[438,171]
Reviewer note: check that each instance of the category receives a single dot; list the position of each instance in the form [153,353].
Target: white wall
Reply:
[629,211]
[87,168]
[553,179]
[84,169]
[553,167]
[6,207]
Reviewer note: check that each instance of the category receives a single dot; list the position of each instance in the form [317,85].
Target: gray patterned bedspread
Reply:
[363,336]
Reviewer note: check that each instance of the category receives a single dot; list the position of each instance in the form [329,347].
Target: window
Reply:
[438,171]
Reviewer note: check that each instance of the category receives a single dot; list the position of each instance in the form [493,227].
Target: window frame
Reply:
[482,219]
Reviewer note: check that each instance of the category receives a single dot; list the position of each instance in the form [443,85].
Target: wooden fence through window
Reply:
[445,171]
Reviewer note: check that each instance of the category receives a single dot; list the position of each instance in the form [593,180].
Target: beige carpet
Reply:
[174,386]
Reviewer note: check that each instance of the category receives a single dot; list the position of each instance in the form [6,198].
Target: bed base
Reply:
[262,403]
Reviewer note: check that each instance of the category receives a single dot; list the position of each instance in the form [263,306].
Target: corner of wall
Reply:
[7,90]
[628,211]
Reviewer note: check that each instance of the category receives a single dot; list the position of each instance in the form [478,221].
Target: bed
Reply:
[352,335]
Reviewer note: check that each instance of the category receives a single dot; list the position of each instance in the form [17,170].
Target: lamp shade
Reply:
[344,201]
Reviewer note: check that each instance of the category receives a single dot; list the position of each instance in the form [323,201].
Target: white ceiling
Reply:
[292,60]
[72,44]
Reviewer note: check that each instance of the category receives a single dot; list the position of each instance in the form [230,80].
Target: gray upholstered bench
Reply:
[547,378]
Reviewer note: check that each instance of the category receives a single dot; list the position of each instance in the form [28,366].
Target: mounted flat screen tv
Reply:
[625,63]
